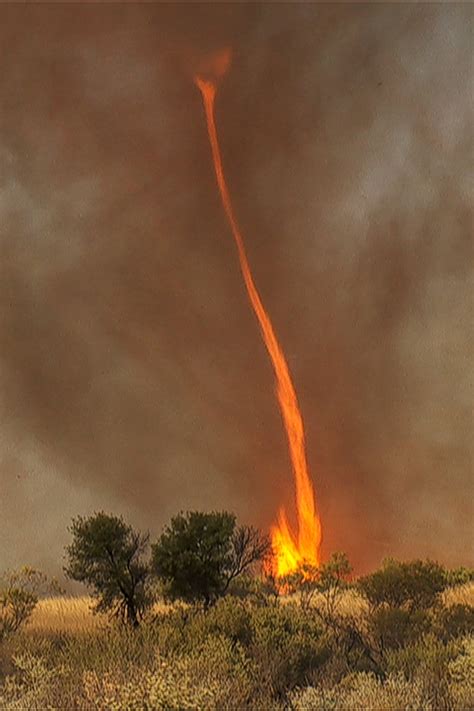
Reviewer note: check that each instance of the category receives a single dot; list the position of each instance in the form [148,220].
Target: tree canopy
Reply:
[199,554]
[107,555]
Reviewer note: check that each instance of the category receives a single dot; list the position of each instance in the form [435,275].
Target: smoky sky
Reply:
[132,374]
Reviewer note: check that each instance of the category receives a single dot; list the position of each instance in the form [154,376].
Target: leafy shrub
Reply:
[427,661]
[170,684]
[456,621]
[362,691]
[329,580]
[217,675]
[414,586]
[19,594]
[118,647]
[229,618]
[427,675]
[283,644]
[302,583]
[394,627]
[288,646]
[29,687]
[256,590]
[183,630]
[461,675]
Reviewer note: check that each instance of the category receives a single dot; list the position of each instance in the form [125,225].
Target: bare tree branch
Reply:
[249,546]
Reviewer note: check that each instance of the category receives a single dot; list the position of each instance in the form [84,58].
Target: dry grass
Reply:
[460,595]
[65,614]
[70,614]
[73,614]
[352,603]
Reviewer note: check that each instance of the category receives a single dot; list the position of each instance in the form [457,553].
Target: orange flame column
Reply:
[289,550]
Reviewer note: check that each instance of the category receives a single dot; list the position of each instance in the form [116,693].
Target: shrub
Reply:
[332,582]
[427,675]
[459,576]
[184,630]
[427,661]
[393,628]
[414,586]
[461,674]
[456,621]
[361,691]
[302,583]
[216,675]
[329,580]
[288,647]
[170,684]
[282,644]
[255,589]
[19,594]
[229,618]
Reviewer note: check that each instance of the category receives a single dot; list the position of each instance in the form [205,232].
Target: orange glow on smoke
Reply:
[289,549]
[214,66]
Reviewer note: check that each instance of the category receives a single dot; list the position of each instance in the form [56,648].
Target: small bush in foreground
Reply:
[19,595]
[427,676]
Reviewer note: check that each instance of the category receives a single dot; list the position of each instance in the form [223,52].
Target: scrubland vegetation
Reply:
[399,638]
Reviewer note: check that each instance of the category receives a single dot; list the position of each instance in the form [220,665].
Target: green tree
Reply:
[198,555]
[107,555]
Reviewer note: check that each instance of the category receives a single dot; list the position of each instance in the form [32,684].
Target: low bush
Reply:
[394,627]
[359,691]
[427,675]
[456,621]
[416,585]
[20,591]
[288,646]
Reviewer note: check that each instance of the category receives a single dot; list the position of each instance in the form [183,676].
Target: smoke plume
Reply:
[132,375]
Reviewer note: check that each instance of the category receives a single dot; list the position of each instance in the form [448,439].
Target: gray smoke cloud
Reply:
[132,375]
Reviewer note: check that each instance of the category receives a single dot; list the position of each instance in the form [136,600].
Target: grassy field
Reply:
[65,614]
[238,655]
[69,615]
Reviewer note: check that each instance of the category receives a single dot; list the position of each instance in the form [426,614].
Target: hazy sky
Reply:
[132,374]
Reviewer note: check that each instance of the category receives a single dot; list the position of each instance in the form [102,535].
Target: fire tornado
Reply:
[290,549]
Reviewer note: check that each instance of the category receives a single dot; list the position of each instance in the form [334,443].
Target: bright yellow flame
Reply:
[289,550]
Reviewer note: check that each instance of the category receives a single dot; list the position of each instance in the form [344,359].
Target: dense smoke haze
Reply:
[132,375]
